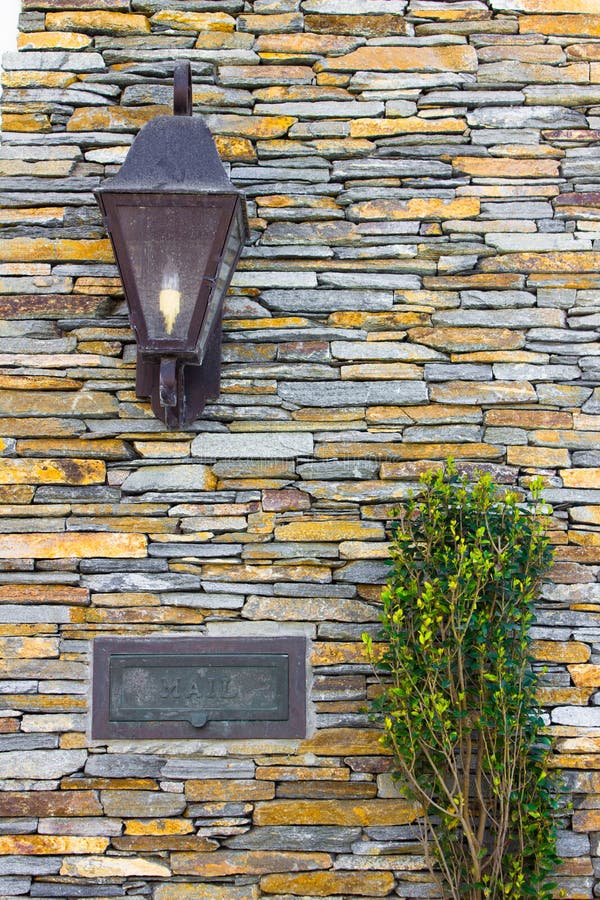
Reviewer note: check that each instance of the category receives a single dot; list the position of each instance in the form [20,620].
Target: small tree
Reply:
[457,698]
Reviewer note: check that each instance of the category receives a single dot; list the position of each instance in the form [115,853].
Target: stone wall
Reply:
[422,281]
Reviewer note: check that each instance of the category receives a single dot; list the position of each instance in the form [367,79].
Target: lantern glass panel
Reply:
[173,253]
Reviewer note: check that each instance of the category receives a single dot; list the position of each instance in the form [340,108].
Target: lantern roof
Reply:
[172,153]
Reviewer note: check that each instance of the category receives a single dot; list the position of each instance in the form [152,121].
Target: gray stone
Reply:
[592,405]
[576,716]
[146,804]
[81,825]
[166,478]
[327,301]
[29,865]
[60,889]
[41,764]
[353,393]
[305,838]
[108,566]
[375,281]
[472,98]
[570,845]
[355,7]
[383,350]
[496,299]
[28,741]
[328,109]
[452,371]
[298,589]
[526,209]
[336,469]
[494,318]
[364,572]
[13,887]
[17,826]
[210,767]
[425,434]
[124,765]
[20,614]
[390,168]
[525,372]
[203,600]
[526,117]
[275,445]
[53,61]
[169,581]
[195,550]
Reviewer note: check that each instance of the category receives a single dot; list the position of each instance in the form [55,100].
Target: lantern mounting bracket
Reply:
[182,89]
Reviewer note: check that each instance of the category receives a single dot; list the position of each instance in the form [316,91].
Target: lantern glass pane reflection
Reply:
[173,257]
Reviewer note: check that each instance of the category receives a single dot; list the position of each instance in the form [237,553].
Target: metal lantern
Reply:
[177,226]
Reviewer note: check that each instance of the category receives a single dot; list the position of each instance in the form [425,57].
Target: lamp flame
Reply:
[169,300]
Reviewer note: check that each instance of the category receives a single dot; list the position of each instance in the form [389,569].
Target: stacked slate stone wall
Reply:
[422,281]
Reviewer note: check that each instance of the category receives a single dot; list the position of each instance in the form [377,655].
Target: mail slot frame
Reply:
[109,653]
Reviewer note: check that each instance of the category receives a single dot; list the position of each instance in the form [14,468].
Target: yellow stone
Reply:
[336,812]
[455,58]
[205,891]
[252,127]
[586,515]
[232,149]
[462,340]
[300,572]
[329,530]
[586,820]
[26,122]
[345,742]
[585,675]
[38,844]
[158,826]
[303,773]
[555,6]
[586,26]
[28,647]
[97,21]
[586,261]
[417,208]
[193,21]
[52,40]
[496,167]
[581,478]
[281,45]
[378,371]
[114,867]
[55,250]
[38,79]
[364,550]
[560,651]
[537,457]
[72,545]
[52,471]
[114,118]
[246,862]
[228,790]
[333,653]
[365,128]
[326,884]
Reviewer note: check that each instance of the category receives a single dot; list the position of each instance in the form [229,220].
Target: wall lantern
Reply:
[177,226]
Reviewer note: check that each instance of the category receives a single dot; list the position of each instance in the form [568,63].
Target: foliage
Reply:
[457,698]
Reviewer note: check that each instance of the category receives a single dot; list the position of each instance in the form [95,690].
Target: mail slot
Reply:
[199,687]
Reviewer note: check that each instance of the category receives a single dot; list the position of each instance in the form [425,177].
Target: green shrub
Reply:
[458,701]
